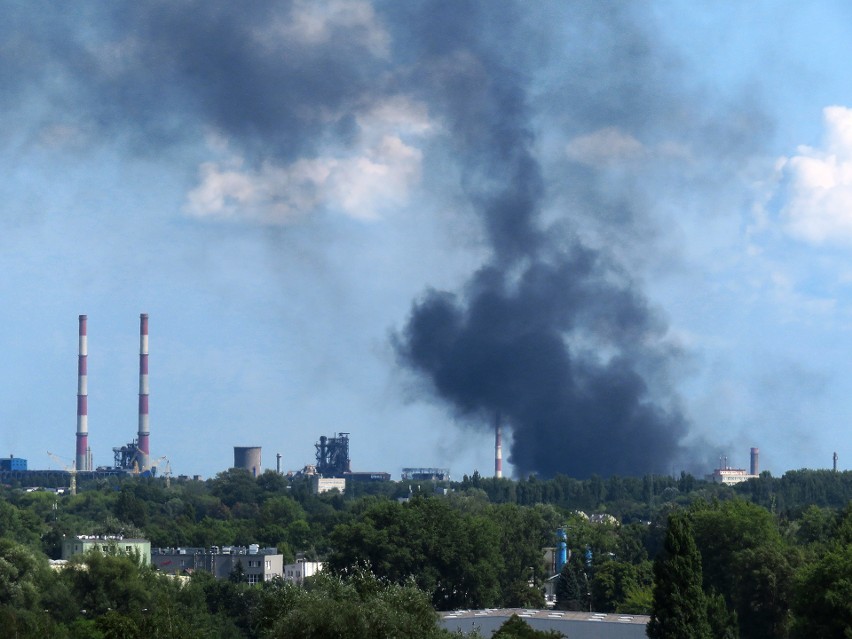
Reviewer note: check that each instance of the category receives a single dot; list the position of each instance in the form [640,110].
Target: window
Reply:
[253,579]
[268,565]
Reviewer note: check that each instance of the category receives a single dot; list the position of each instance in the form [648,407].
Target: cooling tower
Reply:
[248,458]
[755,466]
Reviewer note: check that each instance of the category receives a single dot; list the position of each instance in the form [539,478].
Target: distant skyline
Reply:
[625,225]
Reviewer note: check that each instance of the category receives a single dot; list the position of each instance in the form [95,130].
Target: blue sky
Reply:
[280,187]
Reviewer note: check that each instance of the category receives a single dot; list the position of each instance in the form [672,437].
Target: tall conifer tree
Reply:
[679,610]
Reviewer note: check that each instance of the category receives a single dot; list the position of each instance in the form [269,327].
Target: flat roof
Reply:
[577,625]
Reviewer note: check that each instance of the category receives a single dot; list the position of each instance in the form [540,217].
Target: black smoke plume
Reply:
[550,333]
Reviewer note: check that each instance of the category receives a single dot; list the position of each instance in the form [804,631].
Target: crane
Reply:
[155,466]
[71,470]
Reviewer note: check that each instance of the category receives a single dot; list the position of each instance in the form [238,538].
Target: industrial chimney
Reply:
[82,459]
[755,466]
[498,448]
[143,444]
[834,458]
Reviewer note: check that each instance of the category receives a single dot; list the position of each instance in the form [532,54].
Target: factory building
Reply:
[108,545]
[257,564]
[321,485]
[13,463]
[426,474]
[730,476]
[368,476]
[333,455]
[333,461]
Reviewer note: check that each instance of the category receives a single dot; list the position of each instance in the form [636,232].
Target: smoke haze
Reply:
[551,332]
[550,206]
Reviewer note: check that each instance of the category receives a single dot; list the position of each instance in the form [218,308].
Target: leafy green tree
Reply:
[235,486]
[723,621]
[516,628]
[823,596]
[357,605]
[638,600]
[611,582]
[523,533]
[816,525]
[115,625]
[679,608]
[130,508]
[746,560]
[453,556]
[20,575]
[100,583]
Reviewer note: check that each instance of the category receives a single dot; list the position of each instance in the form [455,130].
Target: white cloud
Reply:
[818,184]
[377,173]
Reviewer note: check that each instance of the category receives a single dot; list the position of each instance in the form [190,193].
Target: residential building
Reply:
[108,545]
[257,564]
[297,573]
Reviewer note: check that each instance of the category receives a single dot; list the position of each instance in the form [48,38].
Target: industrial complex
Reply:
[333,464]
[331,469]
[132,458]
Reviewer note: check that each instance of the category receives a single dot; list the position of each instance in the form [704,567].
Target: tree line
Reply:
[771,564]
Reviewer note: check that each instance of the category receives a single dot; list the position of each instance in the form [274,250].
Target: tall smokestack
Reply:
[755,466]
[144,450]
[82,458]
[834,458]
[498,448]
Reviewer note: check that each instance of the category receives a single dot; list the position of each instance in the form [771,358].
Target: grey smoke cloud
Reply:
[550,333]
[156,72]
[551,330]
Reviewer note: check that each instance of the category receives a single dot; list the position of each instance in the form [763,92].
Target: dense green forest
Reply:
[771,557]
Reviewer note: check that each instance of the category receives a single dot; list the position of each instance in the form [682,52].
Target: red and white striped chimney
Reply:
[498,448]
[143,445]
[82,459]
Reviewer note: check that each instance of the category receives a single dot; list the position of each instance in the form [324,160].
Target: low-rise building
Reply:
[257,564]
[297,573]
[730,476]
[324,484]
[108,545]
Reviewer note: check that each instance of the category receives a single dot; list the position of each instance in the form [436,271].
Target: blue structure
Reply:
[561,549]
[13,463]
